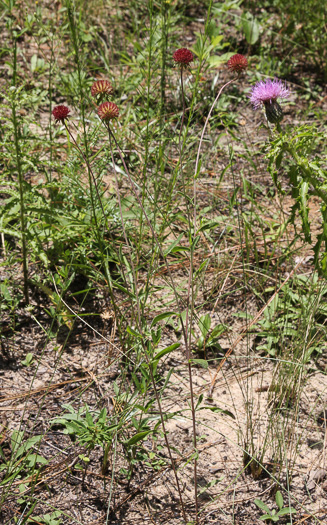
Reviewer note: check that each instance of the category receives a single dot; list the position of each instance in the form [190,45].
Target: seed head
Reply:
[108,111]
[237,63]
[267,92]
[60,113]
[183,56]
[101,87]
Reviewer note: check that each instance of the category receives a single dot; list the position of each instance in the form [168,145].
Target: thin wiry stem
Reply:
[112,136]
[187,325]
[91,173]
[92,177]
[125,234]
[20,180]
[190,294]
[201,140]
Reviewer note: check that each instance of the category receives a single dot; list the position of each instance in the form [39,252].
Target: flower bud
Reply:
[274,112]
[108,111]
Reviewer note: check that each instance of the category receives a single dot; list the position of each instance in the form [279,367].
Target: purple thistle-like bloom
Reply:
[267,92]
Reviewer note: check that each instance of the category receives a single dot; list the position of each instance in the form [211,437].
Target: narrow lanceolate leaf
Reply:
[220,410]
[133,332]
[135,439]
[161,317]
[166,350]
[173,244]
[304,210]
[286,510]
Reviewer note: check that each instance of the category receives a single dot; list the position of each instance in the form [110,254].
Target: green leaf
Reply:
[162,316]
[133,332]
[32,459]
[201,362]
[220,410]
[262,506]
[33,63]
[216,61]
[265,517]
[204,324]
[251,28]
[135,439]
[304,210]
[29,443]
[166,350]
[279,499]
[173,244]
[286,510]
[28,359]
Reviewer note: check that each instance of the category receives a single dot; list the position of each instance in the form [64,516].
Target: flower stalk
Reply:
[20,179]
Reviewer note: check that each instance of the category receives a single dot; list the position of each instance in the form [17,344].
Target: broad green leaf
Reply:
[251,28]
[28,359]
[29,443]
[262,506]
[204,324]
[279,499]
[216,61]
[32,459]
[201,362]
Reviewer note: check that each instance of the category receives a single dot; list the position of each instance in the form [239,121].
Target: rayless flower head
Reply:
[183,56]
[267,92]
[101,87]
[60,113]
[237,63]
[108,111]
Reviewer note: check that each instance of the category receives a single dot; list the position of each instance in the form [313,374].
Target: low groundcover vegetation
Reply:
[163,262]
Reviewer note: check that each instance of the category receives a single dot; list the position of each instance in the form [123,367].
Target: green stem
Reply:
[20,178]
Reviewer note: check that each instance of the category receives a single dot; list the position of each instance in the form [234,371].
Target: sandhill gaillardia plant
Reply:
[108,112]
[183,58]
[237,64]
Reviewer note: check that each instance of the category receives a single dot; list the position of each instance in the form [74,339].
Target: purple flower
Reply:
[267,92]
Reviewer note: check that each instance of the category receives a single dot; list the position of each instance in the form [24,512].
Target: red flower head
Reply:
[108,111]
[60,113]
[183,56]
[101,87]
[237,63]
